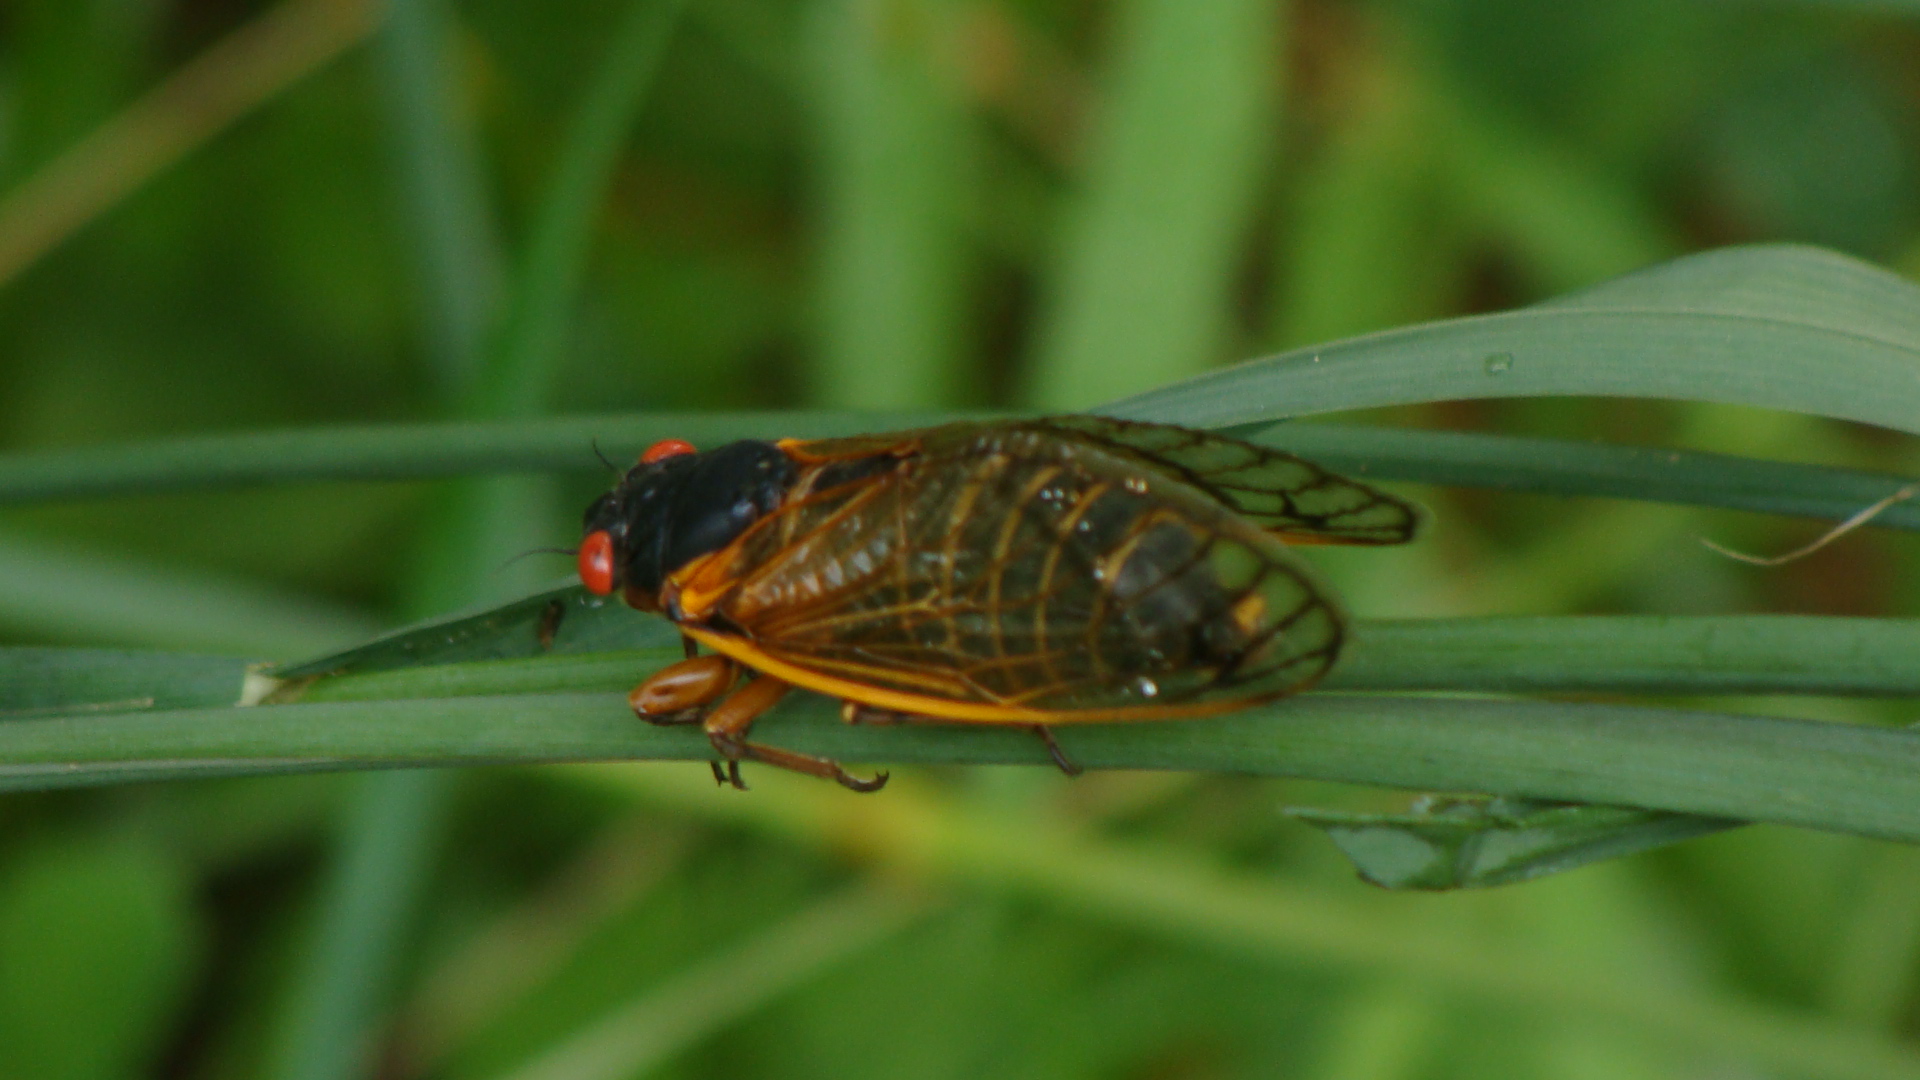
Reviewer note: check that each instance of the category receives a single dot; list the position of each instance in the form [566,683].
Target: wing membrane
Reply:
[1286,495]
[1008,572]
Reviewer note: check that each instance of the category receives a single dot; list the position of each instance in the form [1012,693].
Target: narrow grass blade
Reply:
[388,841]
[39,681]
[218,87]
[1780,327]
[1621,654]
[1256,917]
[1637,654]
[549,281]
[894,144]
[439,171]
[402,451]
[367,901]
[1360,249]
[1837,777]
[565,444]
[65,594]
[1567,222]
[1145,289]
[645,1033]
[1559,467]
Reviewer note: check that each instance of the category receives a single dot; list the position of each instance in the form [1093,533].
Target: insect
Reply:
[1028,572]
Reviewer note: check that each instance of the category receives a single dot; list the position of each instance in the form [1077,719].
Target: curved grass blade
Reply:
[1782,327]
[1837,777]
[1643,654]
[400,451]
[1563,467]
[644,1033]
[1259,917]
[423,451]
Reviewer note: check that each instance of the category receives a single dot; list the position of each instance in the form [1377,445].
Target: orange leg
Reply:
[727,728]
[674,692]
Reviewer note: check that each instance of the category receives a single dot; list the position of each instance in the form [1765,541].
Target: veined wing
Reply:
[1286,495]
[1002,573]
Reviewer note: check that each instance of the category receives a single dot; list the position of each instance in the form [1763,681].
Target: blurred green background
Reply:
[220,215]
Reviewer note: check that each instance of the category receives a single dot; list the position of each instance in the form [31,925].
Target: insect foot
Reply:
[736,750]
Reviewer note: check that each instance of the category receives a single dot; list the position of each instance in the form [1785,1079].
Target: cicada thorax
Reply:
[1000,568]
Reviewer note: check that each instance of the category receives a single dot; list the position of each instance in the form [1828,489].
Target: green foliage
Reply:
[98,943]
[303,312]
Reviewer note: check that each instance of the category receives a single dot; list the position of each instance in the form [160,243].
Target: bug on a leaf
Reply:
[1029,572]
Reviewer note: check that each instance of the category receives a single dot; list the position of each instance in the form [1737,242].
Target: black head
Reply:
[669,510]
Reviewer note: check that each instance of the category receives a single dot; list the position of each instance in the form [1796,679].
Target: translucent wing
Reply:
[1006,573]
[1287,495]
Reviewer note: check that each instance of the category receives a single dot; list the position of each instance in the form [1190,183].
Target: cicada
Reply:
[1030,572]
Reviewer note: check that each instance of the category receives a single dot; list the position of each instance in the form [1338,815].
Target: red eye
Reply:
[596,562]
[666,448]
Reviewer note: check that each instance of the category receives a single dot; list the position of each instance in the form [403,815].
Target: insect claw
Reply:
[736,750]
[1060,758]
[853,783]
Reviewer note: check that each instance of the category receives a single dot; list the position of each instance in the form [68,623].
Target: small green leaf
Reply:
[1475,843]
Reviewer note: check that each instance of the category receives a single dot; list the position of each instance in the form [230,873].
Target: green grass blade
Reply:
[1780,327]
[393,823]
[1256,916]
[894,143]
[59,593]
[1360,249]
[439,169]
[556,258]
[645,1033]
[1145,289]
[564,444]
[401,451]
[1559,467]
[1837,777]
[36,681]
[233,78]
[369,898]
[1638,654]
[1503,462]
[1567,222]
[389,839]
